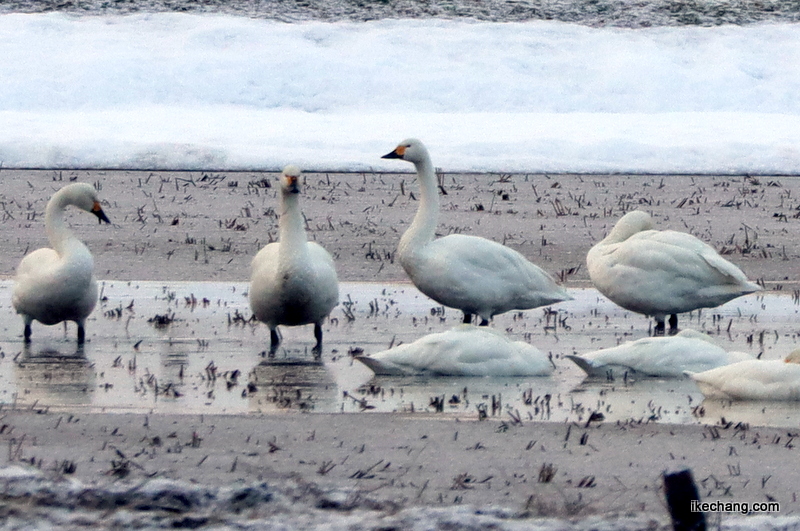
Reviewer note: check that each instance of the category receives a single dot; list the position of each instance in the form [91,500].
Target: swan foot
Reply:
[659,329]
[484,322]
[27,333]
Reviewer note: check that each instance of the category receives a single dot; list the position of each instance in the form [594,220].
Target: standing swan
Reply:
[469,273]
[294,281]
[660,273]
[57,284]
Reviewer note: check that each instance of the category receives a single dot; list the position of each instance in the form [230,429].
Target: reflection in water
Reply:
[529,397]
[203,364]
[672,400]
[49,375]
[757,413]
[291,384]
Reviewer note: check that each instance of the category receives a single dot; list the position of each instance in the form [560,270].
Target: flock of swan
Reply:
[656,273]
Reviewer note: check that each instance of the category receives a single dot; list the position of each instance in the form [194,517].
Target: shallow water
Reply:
[211,359]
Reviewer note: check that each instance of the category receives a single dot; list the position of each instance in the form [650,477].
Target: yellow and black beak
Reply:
[97,210]
[398,153]
[292,184]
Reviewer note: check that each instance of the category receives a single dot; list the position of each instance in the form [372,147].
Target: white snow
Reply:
[174,91]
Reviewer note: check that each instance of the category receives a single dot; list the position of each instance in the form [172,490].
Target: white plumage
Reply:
[753,380]
[57,284]
[661,273]
[462,351]
[293,280]
[469,273]
[670,356]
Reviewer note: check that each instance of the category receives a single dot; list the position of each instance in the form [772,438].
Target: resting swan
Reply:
[57,284]
[671,356]
[469,273]
[753,380]
[660,273]
[293,280]
[463,351]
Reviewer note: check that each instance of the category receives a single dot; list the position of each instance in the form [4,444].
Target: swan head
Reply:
[630,224]
[409,149]
[84,196]
[290,179]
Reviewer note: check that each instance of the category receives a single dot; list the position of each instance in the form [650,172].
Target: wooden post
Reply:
[681,491]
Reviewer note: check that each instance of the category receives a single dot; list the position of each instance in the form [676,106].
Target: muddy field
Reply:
[207,226]
[189,424]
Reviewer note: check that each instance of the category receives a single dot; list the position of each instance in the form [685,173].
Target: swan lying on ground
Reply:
[293,280]
[57,284]
[670,356]
[661,273]
[469,273]
[462,351]
[753,380]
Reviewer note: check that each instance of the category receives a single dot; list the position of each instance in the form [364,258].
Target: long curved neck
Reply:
[60,237]
[292,233]
[423,228]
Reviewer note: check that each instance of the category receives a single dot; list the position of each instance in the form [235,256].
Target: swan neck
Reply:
[423,228]
[292,232]
[58,234]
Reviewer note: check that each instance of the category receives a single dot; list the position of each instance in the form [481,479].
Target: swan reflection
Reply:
[54,376]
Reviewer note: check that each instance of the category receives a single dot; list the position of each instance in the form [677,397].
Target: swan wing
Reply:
[660,356]
[325,280]
[481,276]
[751,380]
[463,351]
[49,289]
[702,251]
[37,263]
[267,256]
[665,272]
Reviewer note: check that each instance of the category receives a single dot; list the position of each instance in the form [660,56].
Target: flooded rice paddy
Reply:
[189,347]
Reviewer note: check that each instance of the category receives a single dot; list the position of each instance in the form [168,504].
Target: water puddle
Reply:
[189,347]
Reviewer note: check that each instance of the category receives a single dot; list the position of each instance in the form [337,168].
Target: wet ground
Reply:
[181,347]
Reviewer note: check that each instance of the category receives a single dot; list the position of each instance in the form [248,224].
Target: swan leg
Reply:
[659,329]
[81,334]
[673,324]
[317,350]
[27,333]
[467,318]
[274,340]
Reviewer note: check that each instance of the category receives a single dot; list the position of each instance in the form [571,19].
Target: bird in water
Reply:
[293,280]
[56,284]
[662,273]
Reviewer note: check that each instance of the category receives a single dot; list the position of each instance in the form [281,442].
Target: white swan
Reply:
[462,351]
[660,273]
[469,273]
[293,280]
[670,356]
[753,380]
[57,284]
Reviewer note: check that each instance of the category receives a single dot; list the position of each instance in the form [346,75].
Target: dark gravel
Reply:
[619,13]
